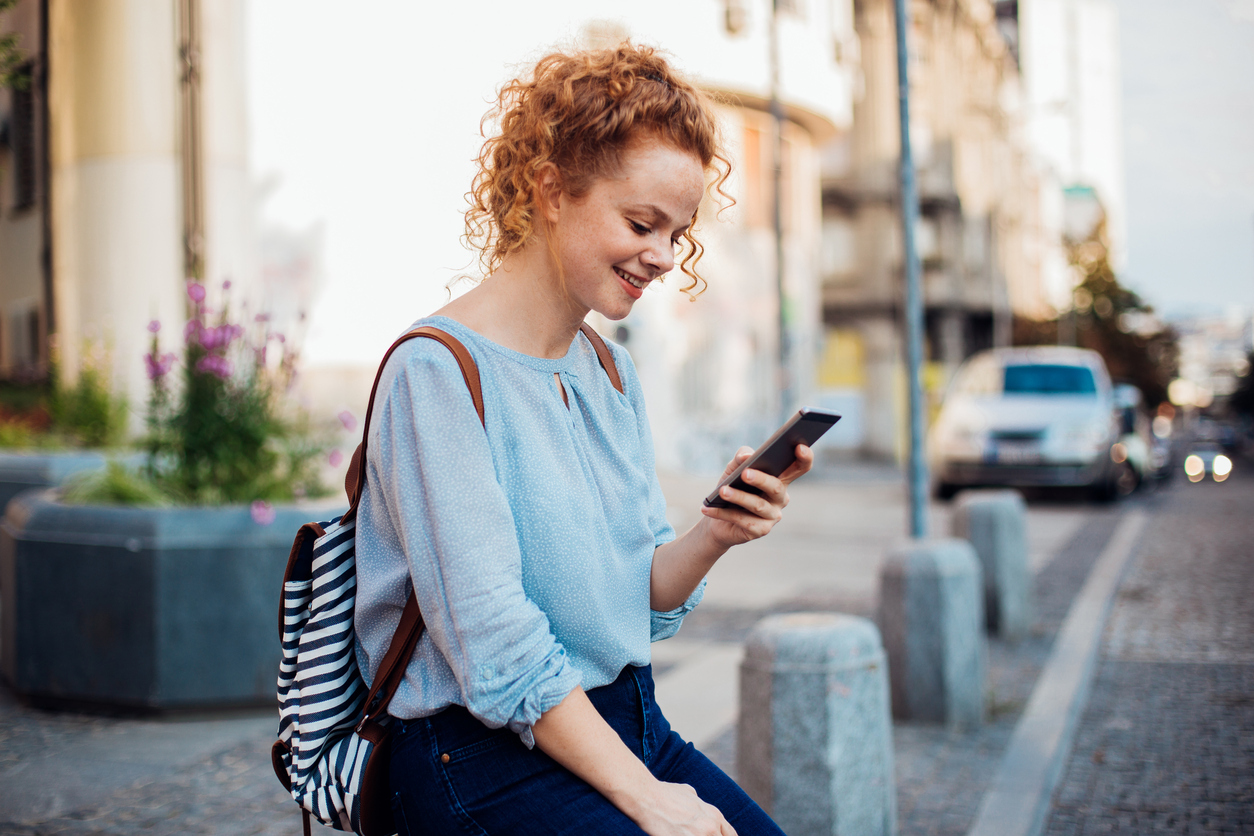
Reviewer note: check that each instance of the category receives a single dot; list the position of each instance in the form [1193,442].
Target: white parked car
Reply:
[1022,417]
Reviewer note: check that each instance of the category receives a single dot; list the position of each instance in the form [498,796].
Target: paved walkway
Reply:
[85,776]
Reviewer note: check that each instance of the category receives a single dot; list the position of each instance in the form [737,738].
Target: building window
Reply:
[22,142]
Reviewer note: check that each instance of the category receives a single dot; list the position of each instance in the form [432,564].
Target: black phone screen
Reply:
[779,451]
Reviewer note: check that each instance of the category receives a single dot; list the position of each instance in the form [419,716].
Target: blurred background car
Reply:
[1206,458]
[1040,416]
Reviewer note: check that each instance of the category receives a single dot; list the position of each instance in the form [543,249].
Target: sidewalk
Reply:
[70,775]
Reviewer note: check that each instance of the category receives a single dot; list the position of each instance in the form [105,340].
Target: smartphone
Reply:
[779,451]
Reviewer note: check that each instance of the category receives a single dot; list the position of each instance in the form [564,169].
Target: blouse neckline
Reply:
[543,364]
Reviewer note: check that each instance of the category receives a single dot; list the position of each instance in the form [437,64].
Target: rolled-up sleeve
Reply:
[663,625]
[434,471]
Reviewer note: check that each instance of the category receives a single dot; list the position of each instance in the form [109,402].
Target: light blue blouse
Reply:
[530,545]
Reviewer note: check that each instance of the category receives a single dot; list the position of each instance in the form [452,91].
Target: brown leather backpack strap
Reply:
[409,630]
[603,354]
[392,668]
[355,478]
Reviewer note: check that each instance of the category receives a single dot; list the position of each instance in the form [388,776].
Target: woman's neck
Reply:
[521,306]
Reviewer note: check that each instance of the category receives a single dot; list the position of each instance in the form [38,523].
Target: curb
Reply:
[1018,801]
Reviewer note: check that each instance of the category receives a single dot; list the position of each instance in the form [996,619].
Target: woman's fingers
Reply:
[677,810]
[774,488]
[760,506]
[805,461]
[738,459]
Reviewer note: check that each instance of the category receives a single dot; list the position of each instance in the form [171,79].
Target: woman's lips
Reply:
[634,284]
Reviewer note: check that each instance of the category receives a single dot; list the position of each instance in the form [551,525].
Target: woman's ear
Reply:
[549,192]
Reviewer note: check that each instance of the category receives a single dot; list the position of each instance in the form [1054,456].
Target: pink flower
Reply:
[220,336]
[154,326]
[191,330]
[214,365]
[158,366]
[261,317]
[336,458]
[196,292]
[347,419]
[262,512]
[226,285]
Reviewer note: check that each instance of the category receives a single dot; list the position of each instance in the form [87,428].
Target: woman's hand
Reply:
[678,566]
[752,516]
[675,810]
[575,735]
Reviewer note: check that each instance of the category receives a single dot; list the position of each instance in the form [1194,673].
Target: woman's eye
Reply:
[639,229]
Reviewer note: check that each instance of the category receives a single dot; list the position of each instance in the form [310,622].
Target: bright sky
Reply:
[362,114]
[1188,109]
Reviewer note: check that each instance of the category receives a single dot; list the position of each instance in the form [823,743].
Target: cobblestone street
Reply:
[1166,744]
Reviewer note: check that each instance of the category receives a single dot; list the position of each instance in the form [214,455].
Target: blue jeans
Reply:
[492,784]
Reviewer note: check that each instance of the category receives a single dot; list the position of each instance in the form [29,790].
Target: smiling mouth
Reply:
[632,280]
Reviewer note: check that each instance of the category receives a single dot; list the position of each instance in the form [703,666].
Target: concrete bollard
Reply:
[995,523]
[931,613]
[814,743]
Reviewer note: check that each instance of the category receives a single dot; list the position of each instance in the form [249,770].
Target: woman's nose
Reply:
[660,258]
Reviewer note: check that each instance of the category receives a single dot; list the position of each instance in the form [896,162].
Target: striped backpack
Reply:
[332,753]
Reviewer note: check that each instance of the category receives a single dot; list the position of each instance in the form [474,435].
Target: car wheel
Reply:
[1121,482]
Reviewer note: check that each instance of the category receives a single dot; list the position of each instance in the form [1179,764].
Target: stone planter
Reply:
[143,607]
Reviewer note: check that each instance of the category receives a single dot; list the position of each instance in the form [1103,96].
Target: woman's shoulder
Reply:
[429,350]
[624,365]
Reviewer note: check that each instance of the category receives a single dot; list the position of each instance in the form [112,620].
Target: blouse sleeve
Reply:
[662,625]
[435,474]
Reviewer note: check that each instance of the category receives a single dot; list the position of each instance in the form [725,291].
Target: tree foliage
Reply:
[12,73]
[1113,321]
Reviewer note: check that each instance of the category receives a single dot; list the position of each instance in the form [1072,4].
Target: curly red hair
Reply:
[580,111]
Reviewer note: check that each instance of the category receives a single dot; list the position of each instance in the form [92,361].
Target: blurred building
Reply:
[1214,355]
[124,173]
[1069,54]
[981,238]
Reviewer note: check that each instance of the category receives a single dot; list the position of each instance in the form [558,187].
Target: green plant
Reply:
[12,74]
[221,435]
[88,412]
[115,485]
[50,415]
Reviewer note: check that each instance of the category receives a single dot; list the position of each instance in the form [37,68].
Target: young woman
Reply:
[537,542]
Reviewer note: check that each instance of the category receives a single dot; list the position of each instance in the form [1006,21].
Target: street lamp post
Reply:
[777,184]
[917,467]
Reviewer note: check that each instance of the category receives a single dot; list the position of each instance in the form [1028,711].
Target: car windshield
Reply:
[1042,379]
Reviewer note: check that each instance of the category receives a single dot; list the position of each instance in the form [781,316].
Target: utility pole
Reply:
[777,183]
[916,476]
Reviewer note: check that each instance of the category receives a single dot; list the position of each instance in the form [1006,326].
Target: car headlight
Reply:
[966,434]
[1194,468]
[1220,468]
[1085,435]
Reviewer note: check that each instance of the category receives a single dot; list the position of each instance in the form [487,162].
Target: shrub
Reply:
[221,435]
[50,415]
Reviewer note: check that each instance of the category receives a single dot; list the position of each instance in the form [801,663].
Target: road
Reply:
[73,775]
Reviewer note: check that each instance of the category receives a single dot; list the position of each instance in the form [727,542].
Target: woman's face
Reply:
[623,233]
